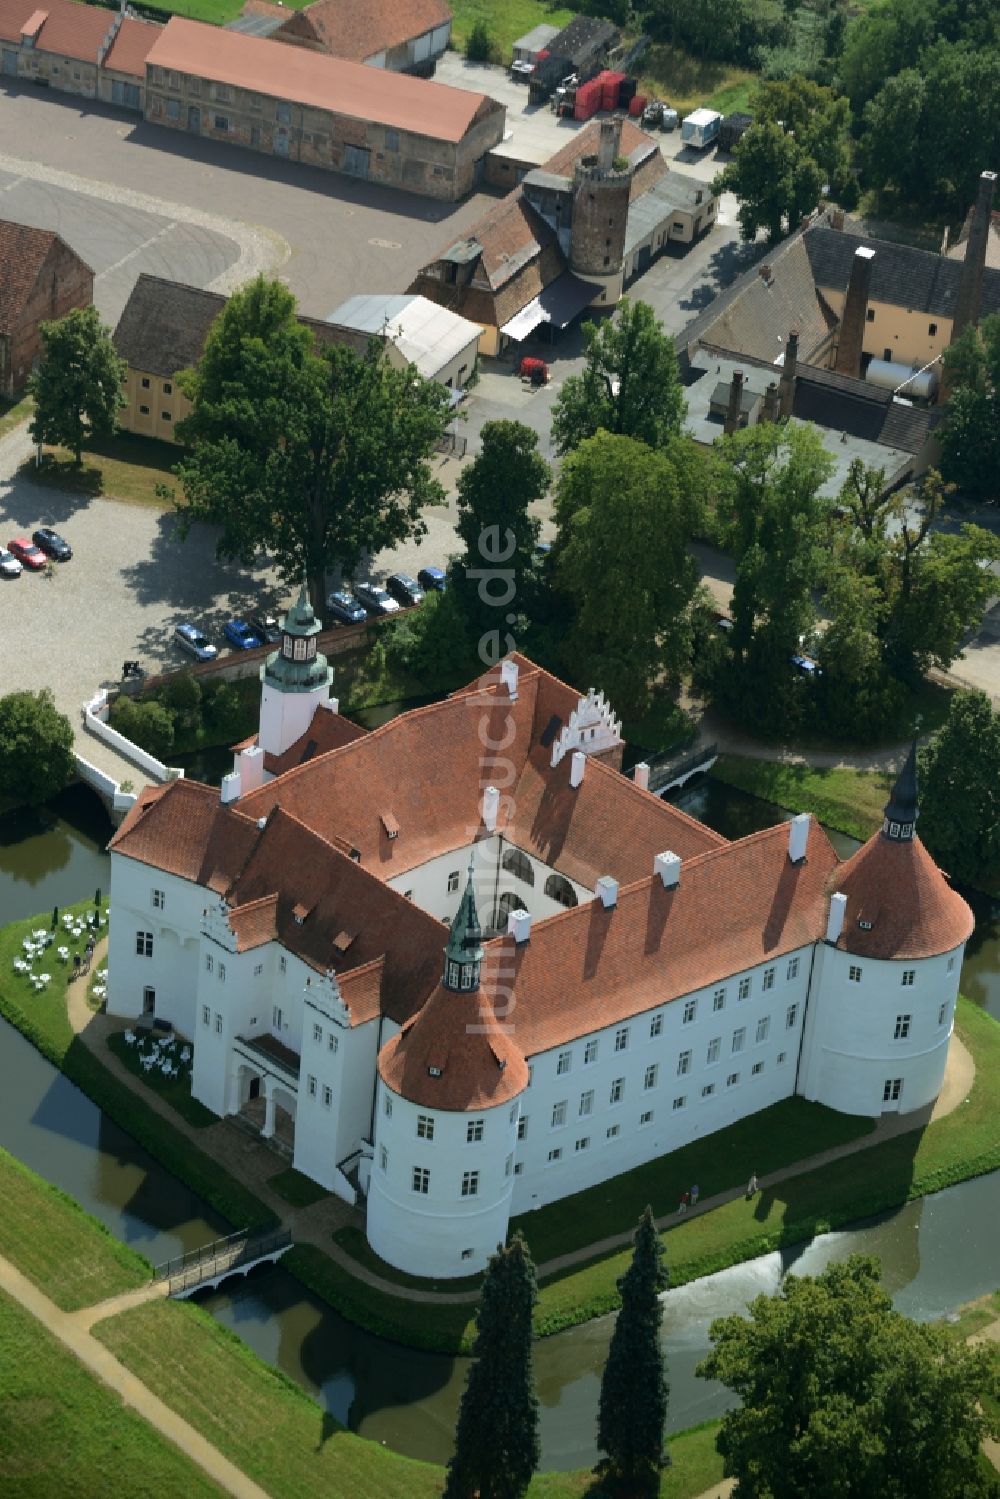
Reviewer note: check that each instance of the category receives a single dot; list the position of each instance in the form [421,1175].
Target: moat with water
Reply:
[936,1253]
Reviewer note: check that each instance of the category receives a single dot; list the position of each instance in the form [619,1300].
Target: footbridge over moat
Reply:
[208,1266]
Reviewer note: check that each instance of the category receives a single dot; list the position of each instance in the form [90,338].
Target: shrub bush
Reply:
[479,45]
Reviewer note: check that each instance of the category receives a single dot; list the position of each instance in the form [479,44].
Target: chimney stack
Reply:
[607,889]
[668,867]
[835,920]
[508,673]
[641,774]
[577,766]
[230,787]
[837,219]
[786,385]
[771,408]
[734,414]
[250,768]
[798,837]
[970,286]
[519,926]
[851,338]
[491,806]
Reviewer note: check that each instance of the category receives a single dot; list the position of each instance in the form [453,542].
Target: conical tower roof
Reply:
[901,810]
[465,942]
[453,1055]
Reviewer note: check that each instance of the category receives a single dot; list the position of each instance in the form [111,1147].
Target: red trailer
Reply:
[535,370]
[637,104]
[588,99]
[610,88]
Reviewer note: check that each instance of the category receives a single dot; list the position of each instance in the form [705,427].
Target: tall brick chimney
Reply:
[734,414]
[772,403]
[970,287]
[850,342]
[786,385]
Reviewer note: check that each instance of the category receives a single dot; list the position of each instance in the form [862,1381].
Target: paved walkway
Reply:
[253,1162]
[73,1330]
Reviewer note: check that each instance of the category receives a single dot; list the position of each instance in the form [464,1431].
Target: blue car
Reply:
[343,609]
[195,642]
[432,579]
[806,664]
[240,635]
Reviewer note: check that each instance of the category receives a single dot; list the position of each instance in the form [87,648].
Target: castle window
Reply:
[714,1047]
[656,1026]
[421,1180]
[617,1089]
[473,1131]
[763,1026]
[757,1069]
[470,1183]
[312,1087]
[732,1080]
[589,1053]
[558,1114]
[206,1015]
[744,989]
[331,1042]
[793,969]
[282,964]
[519,865]
[909,975]
[144,944]
[555,1155]
[690,1011]
[768,978]
[902,1029]
[522,1127]
[870,315]
[719,999]
[453,879]
[708,1090]
[218,1023]
[519,1169]
[167,388]
[649,1081]
[145,382]
[791,1015]
[559,889]
[782,1057]
[931,329]
[158,899]
[892,1089]
[683,1063]
[387,1106]
[646,1118]
[222,973]
[513,1114]
[508,1165]
[680,1102]
[943,1014]
[258,969]
[425,1127]
[739,1037]
[612,1131]
[327,1097]
[621,1039]
[564,1063]
[583,1143]
[317,1034]
[586,1102]
[854,974]
[209,962]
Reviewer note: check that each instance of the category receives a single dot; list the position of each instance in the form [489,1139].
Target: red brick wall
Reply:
[64,282]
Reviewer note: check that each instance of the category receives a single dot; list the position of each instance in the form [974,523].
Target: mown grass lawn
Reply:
[688,82]
[354,1243]
[174,1091]
[281,1438]
[64,1433]
[301,1191]
[41,1017]
[124,467]
[505,20]
[849,800]
[56,1244]
[965,1143]
[13,413]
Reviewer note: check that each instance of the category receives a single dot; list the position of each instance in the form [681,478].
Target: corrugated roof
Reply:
[311,78]
[425,334]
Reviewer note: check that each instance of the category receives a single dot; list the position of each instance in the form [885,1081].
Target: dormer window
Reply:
[453,975]
[390,824]
[434,1072]
[865,926]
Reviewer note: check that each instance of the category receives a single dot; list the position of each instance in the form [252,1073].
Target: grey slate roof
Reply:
[901,275]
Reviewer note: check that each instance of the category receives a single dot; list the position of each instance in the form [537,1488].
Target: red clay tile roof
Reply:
[185,830]
[456,1034]
[357,29]
[321,82]
[71,30]
[14,16]
[585,143]
[588,968]
[23,252]
[255,923]
[361,990]
[131,47]
[914,912]
[327,731]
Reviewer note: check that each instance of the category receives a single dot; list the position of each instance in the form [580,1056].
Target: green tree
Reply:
[496,1438]
[856,696]
[630,385]
[634,1390]
[776,181]
[433,644]
[77,388]
[36,747]
[816,118]
[772,519]
[960,794]
[313,458]
[479,44]
[893,125]
[970,437]
[625,516]
[148,723]
[841,1395]
[494,578]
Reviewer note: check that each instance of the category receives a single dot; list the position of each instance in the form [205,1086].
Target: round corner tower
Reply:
[601,188]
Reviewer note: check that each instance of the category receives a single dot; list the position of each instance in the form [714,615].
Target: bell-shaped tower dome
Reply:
[295,679]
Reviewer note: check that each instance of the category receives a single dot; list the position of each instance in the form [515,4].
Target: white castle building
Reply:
[461,966]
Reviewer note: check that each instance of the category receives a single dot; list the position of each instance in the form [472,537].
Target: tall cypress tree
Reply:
[496,1439]
[634,1389]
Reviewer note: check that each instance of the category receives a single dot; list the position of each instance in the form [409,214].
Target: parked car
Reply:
[432,579]
[195,642]
[521,71]
[52,543]
[722,620]
[266,626]
[653,112]
[27,552]
[9,565]
[376,599]
[344,609]
[240,635]
[404,589]
[806,664]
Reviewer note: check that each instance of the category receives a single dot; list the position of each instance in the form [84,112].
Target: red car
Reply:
[27,552]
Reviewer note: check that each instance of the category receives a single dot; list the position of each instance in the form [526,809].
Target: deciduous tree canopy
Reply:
[77,387]
[36,747]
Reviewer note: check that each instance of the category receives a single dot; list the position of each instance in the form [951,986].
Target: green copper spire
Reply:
[298,666]
[464,952]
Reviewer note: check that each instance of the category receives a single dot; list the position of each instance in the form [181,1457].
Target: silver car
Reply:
[9,565]
[197,644]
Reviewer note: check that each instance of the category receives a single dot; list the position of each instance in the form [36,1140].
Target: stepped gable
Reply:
[904,899]
[183,829]
[735,907]
[454,1056]
[335,916]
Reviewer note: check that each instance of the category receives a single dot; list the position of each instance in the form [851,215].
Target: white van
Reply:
[701,128]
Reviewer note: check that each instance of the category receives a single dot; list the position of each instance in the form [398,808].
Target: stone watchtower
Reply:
[601,188]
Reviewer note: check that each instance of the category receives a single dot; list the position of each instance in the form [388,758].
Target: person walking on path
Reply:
[752,1186]
[695,1191]
[683,1205]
